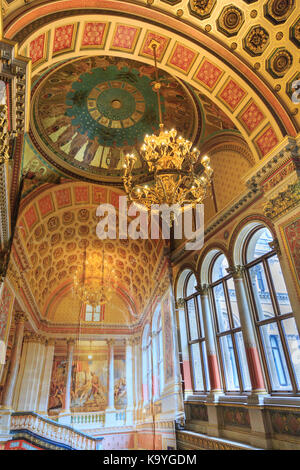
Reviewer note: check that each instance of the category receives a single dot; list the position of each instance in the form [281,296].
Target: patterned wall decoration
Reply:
[231,94]
[266,141]
[6,301]
[38,49]
[291,237]
[236,416]
[64,38]
[94,34]
[125,38]
[251,116]
[182,58]
[208,74]
[285,422]
[196,412]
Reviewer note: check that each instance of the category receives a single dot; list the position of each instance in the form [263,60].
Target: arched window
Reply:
[196,336]
[147,364]
[158,352]
[228,327]
[275,323]
[94,314]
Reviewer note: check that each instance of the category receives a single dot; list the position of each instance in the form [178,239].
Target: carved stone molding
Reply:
[20,317]
[284,202]
[203,289]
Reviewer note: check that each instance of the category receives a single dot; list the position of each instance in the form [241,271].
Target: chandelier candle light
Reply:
[170,161]
[94,283]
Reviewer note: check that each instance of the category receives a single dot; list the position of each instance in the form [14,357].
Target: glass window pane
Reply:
[221,308]
[191,286]
[278,371]
[233,303]
[219,268]
[96,316]
[200,316]
[205,365]
[242,360]
[88,316]
[279,285]
[192,319]
[259,244]
[293,340]
[197,367]
[231,375]
[261,292]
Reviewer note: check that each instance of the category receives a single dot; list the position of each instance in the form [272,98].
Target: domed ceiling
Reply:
[89,113]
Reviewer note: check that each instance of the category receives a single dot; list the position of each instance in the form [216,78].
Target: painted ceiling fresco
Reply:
[91,112]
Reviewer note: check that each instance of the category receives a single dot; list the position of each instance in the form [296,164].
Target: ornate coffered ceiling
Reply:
[207,42]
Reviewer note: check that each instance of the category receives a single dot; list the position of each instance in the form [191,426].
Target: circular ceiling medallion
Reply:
[89,113]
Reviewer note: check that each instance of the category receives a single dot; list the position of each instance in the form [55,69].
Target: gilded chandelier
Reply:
[94,282]
[171,161]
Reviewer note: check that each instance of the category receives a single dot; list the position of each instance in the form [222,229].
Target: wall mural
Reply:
[292,237]
[88,386]
[91,112]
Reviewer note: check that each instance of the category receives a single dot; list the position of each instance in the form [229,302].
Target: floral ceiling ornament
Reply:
[230,20]
[201,8]
[277,11]
[256,40]
[279,62]
[172,178]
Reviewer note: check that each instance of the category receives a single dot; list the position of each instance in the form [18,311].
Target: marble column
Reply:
[212,360]
[30,372]
[71,344]
[111,376]
[46,377]
[129,380]
[8,393]
[251,347]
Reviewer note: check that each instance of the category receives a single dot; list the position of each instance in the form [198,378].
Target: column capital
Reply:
[110,342]
[236,271]
[129,340]
[51,341]
[20,317]
[274,244]
[71,342]
[179,303]
[31,337]
[202,289]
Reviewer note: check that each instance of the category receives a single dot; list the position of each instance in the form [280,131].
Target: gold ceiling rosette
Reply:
[171,165]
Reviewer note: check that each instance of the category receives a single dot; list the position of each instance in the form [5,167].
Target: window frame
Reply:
[230,332]
[200,340]
[277,318]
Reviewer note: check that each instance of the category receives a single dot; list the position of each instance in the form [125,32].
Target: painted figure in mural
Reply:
[113,158]
[120,390]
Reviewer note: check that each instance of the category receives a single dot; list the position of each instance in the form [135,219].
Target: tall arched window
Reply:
[196,336]
[158,352]
[275,323]
[147,364]
[228,327]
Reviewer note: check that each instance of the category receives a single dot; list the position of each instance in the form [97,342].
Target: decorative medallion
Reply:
[277,11]
[201,8]
[295,32]
[230,20]
[91,112]
[279,62]
[256,41]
